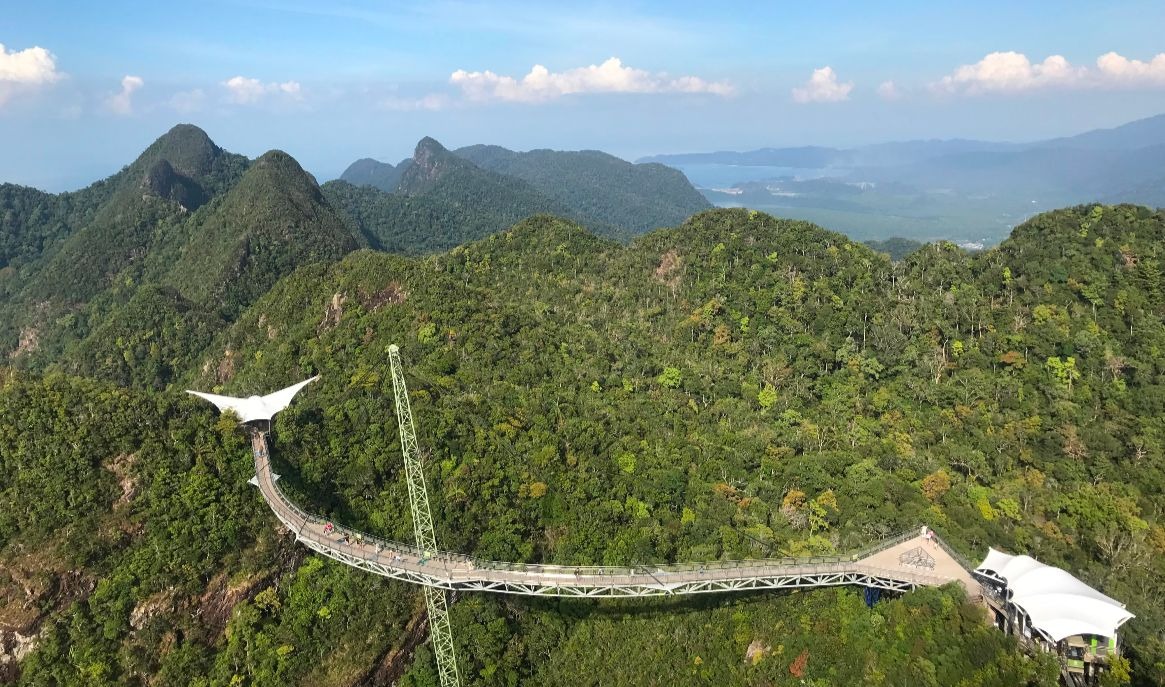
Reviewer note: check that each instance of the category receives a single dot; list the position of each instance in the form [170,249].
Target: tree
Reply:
[936,484]
[1063,370]
[767,397]
[670,378]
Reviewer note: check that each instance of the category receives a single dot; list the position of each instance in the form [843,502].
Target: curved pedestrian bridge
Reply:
[900,563]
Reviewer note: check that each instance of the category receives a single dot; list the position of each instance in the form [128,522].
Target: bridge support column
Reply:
[439,628]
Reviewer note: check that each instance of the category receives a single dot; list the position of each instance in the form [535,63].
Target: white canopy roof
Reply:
[256,407]
[1058,604]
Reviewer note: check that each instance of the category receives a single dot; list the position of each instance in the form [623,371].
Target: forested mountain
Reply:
[30,222]
[1136,134]
[474,191]
[737,386]
[369,172]
[184,167]
[439,175]
[209,231]
[177,174]
[1151,191]
[417,224]
[274,220]
[598,186]
[205,230]
[441,201]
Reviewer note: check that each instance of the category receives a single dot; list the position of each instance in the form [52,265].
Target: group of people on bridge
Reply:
[357,539]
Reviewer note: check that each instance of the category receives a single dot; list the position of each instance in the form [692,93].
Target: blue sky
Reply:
[84,87]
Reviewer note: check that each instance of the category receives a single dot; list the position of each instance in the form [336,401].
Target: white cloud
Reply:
[245,91]
[611,76]
[888,90]
[1121,69]
[188,101]
[1009,71]
[122,103]
[290,88]
[430,102]
[823,87]
[24,69]
[1014,72]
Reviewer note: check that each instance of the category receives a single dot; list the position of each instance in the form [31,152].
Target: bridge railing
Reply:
[374,548]
[959,558]
[303,518]
[663,568]
[835,561]
[886,543]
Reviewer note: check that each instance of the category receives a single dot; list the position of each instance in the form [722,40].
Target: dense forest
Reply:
[439,199]
[896,248]
[425,223]
[736,386]
[608,195]
[601,187]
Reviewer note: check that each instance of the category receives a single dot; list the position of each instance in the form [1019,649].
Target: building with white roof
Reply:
[1052,609]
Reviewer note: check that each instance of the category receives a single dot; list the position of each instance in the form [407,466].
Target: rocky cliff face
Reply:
[14,646]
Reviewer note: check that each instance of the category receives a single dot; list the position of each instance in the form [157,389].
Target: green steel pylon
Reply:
[439,628]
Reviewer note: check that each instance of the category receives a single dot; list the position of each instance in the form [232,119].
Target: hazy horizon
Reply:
[83,89]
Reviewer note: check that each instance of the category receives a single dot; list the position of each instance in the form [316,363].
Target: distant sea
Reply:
[724,176]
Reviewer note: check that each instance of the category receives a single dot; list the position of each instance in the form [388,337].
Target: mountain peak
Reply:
[186,147]
[279,163]
[274,180]
[429,145]
[273,220]
[369,172]
[189,132]
[366,163]
[431,157]
[431,161]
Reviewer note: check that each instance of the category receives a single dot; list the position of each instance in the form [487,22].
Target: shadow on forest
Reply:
[649,608]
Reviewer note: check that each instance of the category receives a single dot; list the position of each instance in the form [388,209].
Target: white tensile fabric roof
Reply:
[256,407]
[1058,604]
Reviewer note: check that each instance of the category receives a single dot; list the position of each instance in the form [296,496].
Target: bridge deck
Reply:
[878,566]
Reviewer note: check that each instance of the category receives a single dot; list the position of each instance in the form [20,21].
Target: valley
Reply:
[968,192]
